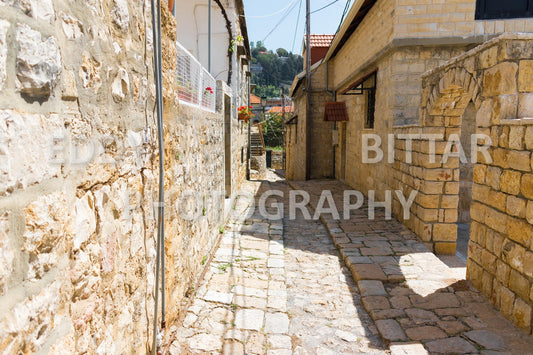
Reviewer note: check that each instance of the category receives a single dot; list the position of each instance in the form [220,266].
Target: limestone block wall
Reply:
[496,79]
[321,163]
[320,131]
[296,151]
[398,97]
[435,18]
[373,34]
[78,177]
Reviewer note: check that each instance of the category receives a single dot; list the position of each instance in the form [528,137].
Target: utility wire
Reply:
[296,29]
[326,6]
[346,8]
[280,21]
[275,13]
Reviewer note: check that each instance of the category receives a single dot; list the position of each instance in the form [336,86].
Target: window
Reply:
[370,106]
[498,9]
[366,86]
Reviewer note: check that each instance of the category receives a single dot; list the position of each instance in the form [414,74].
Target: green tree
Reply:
[273,130]
[275,71]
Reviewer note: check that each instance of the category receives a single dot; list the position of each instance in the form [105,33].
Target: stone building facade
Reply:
[432,68]
[79,178]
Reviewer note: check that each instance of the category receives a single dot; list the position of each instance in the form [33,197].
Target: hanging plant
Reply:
[245,113]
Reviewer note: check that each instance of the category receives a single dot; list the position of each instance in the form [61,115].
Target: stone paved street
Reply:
[420,302]
[276,287]
[281,287]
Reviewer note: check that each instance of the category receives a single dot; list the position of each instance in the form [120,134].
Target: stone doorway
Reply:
[343,151]
[466,173]
[227,144]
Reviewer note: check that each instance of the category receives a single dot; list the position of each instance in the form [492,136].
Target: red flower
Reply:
[208,90]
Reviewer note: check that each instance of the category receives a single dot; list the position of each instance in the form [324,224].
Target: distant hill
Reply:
[272,70]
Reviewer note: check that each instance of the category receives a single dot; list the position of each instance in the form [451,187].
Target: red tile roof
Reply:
[279,109]
[321,40]
[336,111]
[255,100]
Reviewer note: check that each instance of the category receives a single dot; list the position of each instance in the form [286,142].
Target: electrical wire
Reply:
[280,21]
[275,13]
[346,8]
[296,29]
[326,6]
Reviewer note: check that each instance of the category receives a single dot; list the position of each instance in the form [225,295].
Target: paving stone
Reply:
[219,297]
[279,303]
[376,302]
[435,300]
[205,342]
[371,288]
[346,336]
[250,302]
[454,345]
[486,339]
[255,343]
[276,263]
[368,272]
[279,352]
[279,341]
[420,316]
[456,312]
[387,313]
[236,334]
[391,330]
[277,323]
[400,302]
[233,348]
[452,327]
[407,349]
[425,333]
[251,319]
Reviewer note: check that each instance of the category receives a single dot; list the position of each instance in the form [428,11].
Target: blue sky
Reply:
[259,25]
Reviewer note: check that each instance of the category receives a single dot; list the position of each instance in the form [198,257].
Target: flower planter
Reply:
[243,117]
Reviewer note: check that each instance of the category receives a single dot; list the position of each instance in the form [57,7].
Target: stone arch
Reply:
[450,93]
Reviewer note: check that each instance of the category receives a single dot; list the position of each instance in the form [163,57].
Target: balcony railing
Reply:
[195,85]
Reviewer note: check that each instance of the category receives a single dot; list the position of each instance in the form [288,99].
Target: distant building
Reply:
[319,47]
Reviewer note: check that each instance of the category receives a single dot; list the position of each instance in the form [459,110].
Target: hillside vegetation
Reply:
[279,69]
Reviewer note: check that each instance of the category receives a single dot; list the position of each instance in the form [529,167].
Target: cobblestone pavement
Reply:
[420,302]
[279,287]
[275,287]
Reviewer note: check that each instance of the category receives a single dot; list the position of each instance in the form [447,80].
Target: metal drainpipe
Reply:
[333,124]
[209,36]
[248,150]
[160,248]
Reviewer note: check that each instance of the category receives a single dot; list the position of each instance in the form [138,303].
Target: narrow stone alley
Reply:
[282,287]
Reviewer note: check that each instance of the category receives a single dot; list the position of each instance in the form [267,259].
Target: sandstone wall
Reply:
[296,150]
[496,79]
[436,18]
[78,177]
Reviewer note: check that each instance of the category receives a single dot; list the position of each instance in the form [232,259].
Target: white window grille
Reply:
[195,85]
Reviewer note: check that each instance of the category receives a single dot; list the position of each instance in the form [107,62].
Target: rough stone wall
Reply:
[277,159]
[496,78]
[78,177]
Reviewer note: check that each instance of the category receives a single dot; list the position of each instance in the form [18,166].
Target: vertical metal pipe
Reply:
[156,32]
[308,90]
[209,36]
[248,150]
[160,130]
